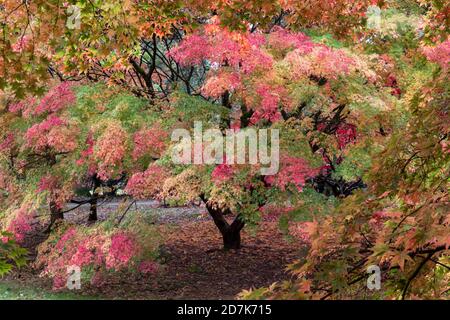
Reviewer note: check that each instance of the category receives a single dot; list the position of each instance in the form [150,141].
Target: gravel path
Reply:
[161,214]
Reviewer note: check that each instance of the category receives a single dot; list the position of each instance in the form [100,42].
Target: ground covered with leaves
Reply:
[193,265]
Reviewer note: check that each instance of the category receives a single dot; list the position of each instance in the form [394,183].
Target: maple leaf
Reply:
[400,258]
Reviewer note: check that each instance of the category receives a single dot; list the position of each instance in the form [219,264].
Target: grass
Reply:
[11,290]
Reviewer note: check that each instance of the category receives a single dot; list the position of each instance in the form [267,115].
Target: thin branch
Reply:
[125,212]
[415,273]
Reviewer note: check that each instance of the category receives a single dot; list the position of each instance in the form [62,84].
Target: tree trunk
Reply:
[232,239]
[231,233]
[55,215]
[93,210]
[226,99]
[55,212]
[94,199]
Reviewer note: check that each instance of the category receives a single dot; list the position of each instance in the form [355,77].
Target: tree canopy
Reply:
[91,92]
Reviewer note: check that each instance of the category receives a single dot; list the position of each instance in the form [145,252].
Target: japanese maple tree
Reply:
[362,115]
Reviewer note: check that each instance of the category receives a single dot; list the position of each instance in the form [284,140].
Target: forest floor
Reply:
[195,266]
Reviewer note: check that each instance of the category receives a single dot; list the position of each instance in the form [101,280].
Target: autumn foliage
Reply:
[87,114]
